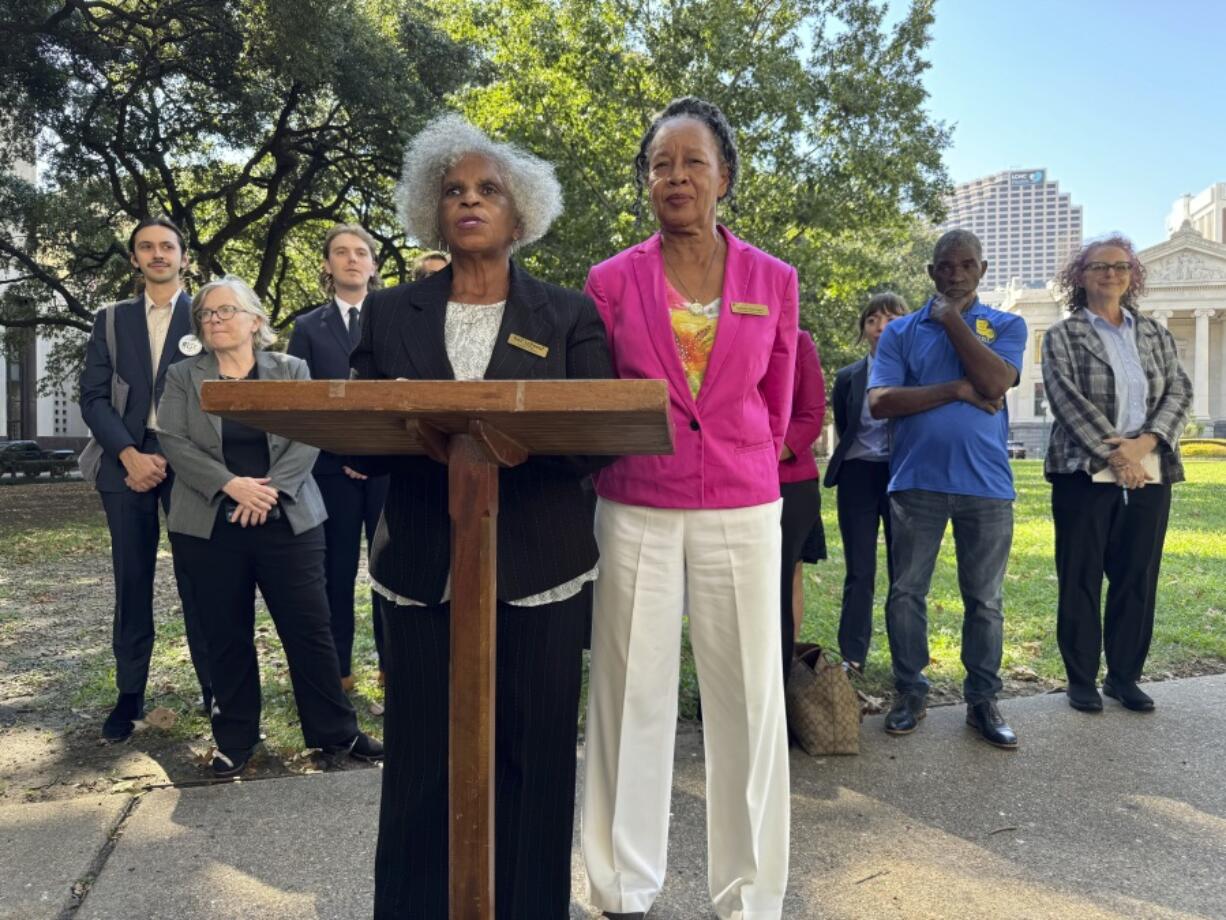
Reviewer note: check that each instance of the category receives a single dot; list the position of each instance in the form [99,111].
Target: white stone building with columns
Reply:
[53,418]
[1186,292]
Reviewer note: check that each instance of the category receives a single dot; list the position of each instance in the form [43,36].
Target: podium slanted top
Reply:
[380,416]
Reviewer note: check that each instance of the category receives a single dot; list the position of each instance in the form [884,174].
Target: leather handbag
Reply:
[823,709]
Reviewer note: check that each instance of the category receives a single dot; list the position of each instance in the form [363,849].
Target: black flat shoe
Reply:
[1129,694]
[634,915]
[362,747]
[986,719]
[903,718]
[1084,699]
[119,724]
[227,766]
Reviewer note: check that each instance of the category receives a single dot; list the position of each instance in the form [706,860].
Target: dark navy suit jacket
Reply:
[321,339]
[848,400]
[135,367]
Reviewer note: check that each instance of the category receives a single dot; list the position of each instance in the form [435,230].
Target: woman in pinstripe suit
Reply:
[482,200]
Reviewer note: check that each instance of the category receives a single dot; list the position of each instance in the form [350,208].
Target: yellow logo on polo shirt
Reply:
[984,330]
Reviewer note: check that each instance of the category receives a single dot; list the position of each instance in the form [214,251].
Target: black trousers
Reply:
[353,505]
[1099,533]
[135,526]
[289,571]
[536,726]
[862,502]
[802,507]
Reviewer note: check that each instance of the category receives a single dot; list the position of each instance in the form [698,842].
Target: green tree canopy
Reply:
[254,125]
[841,165]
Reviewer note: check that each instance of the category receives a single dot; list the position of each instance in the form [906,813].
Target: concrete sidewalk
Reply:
[1114,815]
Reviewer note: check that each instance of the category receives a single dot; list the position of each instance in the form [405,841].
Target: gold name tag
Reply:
[529,346]
[751,309]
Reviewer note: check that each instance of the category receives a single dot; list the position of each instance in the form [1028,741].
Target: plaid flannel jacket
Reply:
[1080,389]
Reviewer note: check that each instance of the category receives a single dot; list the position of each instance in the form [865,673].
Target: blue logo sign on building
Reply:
[1027,177]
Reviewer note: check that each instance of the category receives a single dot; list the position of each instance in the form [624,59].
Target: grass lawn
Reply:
[1190,635]
[1190,629]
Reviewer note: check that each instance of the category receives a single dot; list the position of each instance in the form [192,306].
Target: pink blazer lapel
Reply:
[649,276]
[737,269]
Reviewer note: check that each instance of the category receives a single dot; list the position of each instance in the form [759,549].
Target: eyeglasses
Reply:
[1102,268]
[222,313]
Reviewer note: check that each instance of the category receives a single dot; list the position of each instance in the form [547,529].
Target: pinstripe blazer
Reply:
[545,535]
[1080,389]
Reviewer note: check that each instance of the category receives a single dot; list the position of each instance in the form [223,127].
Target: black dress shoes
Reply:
[228,766]
[1084,699]
[1129,694]
[362,747]
[904,717]
[986,719]
[635,915]
[128,708]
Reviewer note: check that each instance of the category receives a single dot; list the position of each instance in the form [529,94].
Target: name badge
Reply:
[751,309]
[190,345]
[534,348]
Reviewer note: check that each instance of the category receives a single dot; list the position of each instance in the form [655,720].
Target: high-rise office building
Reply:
[1028,227]
[1206,213]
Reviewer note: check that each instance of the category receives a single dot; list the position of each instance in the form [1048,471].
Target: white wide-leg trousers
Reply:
[721,567]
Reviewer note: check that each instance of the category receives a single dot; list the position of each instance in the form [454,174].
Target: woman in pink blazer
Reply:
[697,532]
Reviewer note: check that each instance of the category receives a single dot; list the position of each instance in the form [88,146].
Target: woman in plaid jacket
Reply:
[1120,400]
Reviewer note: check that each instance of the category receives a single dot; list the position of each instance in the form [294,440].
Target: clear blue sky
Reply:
[1123,102]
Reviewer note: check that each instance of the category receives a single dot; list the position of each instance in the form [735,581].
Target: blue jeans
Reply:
[983,534]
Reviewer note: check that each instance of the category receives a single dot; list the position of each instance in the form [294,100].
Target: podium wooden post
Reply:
[477,427]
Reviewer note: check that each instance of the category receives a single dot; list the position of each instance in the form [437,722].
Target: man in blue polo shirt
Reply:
[941,375]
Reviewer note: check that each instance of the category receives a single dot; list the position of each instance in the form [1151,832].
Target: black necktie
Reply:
[355,328]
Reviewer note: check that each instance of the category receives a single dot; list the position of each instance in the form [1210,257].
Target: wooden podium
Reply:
[475,428]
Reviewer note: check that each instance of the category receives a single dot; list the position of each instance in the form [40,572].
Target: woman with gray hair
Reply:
[482,318]
[246,513]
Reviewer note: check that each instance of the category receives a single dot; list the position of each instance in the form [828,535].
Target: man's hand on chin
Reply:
[945,307]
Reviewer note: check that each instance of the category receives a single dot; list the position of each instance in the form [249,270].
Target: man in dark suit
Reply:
[323,338]
[152,331]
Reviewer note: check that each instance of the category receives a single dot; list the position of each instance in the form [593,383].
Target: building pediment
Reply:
[1186,258]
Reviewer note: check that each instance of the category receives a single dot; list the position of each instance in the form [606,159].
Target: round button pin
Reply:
[190,345]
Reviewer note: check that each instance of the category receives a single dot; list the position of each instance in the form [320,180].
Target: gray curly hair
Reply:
[534,189]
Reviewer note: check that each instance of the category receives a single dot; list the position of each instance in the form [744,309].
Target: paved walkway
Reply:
[1115,815]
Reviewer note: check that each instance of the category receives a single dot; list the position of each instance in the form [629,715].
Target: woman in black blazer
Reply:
[860,467]
[483,317]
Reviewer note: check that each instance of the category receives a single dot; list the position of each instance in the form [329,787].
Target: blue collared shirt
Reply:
[1131,385]
[955,448]
[872,437]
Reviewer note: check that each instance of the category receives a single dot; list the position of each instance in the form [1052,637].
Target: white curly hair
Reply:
[531,184]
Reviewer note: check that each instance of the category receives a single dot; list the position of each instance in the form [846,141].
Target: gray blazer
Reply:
[191,440]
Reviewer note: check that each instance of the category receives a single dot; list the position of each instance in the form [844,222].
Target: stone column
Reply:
[1200,361]
[1221,405]
[1160,317]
